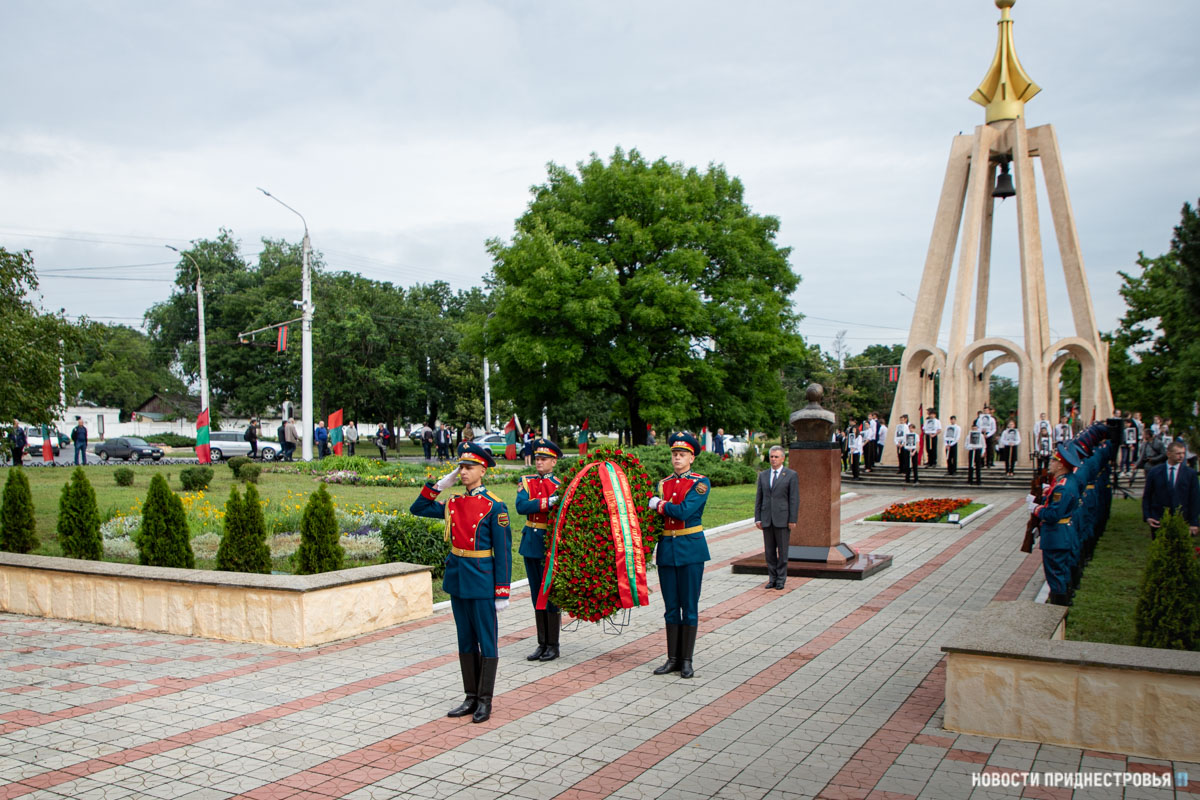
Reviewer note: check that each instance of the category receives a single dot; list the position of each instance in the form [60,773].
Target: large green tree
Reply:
[120,367]
[29,339]
[1162,326]
[651,281]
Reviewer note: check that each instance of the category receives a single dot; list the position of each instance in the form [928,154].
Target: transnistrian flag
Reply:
[202,451]
[335,432]
[510,437]
[47,445]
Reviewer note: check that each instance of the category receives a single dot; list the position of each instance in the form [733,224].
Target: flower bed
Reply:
[585,571]
[931,509]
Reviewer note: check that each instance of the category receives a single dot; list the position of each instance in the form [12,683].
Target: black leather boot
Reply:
[1056,599]
[487,684]
[672,664]
[553,623]
[469,664]
[687,644]
[540,616]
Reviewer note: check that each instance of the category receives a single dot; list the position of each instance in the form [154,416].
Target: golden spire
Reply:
[1006,87]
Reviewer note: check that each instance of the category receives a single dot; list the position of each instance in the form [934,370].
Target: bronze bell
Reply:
[1004,183]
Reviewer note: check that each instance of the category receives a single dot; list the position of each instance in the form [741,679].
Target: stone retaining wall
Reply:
[284,610]
[1011,675]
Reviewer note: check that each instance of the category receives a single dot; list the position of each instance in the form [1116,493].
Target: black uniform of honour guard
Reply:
[478,572]
[536,498]
[681,552]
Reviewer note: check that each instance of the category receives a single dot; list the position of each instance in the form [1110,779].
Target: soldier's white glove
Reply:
[447,481]
[552,502]
[1030,503]
[501,604]
[655,502]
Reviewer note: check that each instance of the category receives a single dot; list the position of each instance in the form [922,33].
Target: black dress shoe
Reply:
[770,585]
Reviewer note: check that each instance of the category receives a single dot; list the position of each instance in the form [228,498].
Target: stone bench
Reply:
[284,610]
[1011,675]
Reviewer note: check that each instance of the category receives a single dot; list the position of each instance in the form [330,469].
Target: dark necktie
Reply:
[1171,478]
[775,474]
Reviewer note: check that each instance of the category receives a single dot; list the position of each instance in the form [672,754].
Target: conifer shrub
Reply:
[319,550]
[79,519]
[123,476]
[237,462]
[195,479]
[250,472]
[18,529]
[243,545]
[1168,608]
[164,540]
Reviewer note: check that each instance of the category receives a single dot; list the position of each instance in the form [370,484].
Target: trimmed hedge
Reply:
[1168,610]
[320,550]
[656,461]
[237,462]
[79,520]
[171,440]
[123,476]
[416,540]
[243,545]
[195,479]
[249,473]
[18,528]
[164,540]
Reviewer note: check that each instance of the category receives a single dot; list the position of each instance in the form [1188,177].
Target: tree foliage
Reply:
[120,367]
[319,549]
[29,339]
[164,540]
[1168,608]
[649,280]
[18,528]
[1161,326]
[79,520]
[243,545]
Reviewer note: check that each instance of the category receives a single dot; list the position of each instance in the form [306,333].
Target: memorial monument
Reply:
[815,547]
[996,161]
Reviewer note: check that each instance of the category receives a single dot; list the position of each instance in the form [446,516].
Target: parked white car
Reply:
[736,446]
[227,444]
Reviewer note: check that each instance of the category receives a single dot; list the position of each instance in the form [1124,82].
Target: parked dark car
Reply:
[130,448]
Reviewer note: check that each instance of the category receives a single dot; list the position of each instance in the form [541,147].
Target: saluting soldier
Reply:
[536,498]
[1054,513]
[478,572]
[681,552]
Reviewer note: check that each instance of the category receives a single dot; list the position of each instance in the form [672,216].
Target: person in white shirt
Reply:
[880,438]
[854,442]
[868,435]
[975,445]
[953,431]
[1010,440]
[1062,431]
[1045,448]
[901,453]
[987,426]
[931,429]
[912,450]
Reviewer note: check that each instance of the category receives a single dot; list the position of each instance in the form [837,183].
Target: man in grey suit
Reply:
[776,509]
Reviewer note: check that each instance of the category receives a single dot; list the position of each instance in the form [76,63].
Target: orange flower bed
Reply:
[927,510]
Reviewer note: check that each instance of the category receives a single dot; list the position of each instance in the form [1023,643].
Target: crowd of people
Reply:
[985,443]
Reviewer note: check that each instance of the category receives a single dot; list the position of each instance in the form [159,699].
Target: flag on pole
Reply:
[893,374]
[281,342]
[510,437]
[202,451]
[47,445]
[335,432]
[582,441]
[920,433]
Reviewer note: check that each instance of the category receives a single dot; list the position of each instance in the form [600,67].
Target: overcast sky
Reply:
[408,133]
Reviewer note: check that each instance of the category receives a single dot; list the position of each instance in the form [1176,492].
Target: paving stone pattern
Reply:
[829,689]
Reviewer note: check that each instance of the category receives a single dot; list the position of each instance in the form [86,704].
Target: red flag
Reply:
[1093,413]
[203,454]
[703,438]
[510,438]
[335,431]
[47,445]
[281,342]
[920,434]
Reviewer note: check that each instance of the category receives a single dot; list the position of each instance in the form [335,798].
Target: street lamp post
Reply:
[306,352]
[200,316]
[487,384]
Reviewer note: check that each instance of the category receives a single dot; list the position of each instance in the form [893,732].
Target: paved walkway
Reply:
[828,689]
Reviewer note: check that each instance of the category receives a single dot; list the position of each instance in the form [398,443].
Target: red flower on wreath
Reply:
[585,576]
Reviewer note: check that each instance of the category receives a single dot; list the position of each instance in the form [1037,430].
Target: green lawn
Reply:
[1102,610]
[725,504]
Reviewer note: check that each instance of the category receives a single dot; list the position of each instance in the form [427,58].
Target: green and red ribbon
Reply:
[626,530]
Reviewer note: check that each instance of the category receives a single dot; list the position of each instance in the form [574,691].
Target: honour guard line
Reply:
[478,572]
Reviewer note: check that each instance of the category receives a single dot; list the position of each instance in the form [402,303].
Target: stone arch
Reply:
[915,388]
[973,378]
[1092,399]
